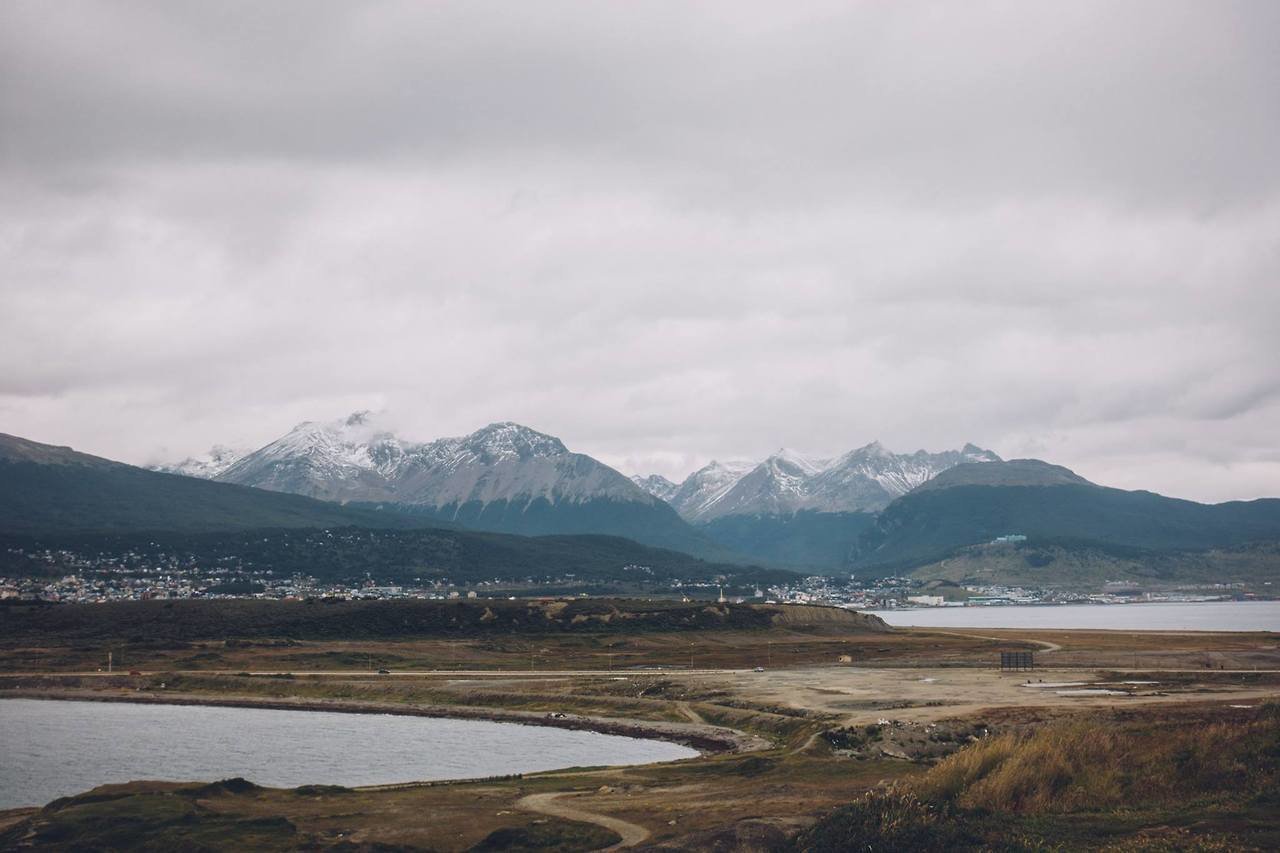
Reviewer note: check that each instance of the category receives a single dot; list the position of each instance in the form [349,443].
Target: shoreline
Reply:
[705,738]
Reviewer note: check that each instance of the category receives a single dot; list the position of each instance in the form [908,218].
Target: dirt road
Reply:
[553,805]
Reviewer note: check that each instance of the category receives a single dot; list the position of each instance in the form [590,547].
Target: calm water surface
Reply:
[51,749]
[1201,616]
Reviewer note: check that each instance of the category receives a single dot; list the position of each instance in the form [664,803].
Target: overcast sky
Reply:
[665,232]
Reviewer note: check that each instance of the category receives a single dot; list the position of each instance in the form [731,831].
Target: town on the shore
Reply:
[90,580]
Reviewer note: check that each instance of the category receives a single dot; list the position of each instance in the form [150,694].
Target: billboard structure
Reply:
[1017,661]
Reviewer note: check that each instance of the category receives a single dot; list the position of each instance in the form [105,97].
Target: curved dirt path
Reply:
[690,714]
[548,804]
[1045,644]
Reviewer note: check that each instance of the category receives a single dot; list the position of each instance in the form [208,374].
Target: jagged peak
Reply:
[870,450]
[651,478]
[510,439]
[975,452]
[731,466]
[797,459]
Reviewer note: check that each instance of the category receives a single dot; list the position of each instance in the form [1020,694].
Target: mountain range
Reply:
[795,510]
[55,499]
[504,477]
[868,511]
[866,479]
[789,509]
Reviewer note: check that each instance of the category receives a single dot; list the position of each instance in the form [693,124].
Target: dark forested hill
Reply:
[351,553]
[930,523]
[806,540]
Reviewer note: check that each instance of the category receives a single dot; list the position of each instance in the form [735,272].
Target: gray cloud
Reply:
[664,233]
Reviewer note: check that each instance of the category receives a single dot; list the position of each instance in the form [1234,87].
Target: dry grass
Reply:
[1099,764]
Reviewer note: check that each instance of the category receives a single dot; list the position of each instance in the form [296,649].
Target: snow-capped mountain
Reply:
[355,460]
[343,460]
[871,476]
[704,487]
[504,477]
[862,480]
[207,466]
[657,485]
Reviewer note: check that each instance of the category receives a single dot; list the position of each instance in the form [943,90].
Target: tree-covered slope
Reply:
[930,523]
[806,540]
[349,553]
[655,524]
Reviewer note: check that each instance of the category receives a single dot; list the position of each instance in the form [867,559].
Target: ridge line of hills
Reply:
[868,511]
[55,497]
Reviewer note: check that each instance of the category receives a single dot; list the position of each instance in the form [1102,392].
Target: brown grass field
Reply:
[834,718]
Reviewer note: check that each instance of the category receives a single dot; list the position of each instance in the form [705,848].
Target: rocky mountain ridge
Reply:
[865,479]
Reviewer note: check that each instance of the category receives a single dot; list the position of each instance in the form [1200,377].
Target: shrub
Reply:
[886,819]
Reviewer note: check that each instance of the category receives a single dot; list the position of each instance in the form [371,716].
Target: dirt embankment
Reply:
[813,616]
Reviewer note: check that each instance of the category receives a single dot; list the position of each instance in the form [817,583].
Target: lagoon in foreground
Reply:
[58,748]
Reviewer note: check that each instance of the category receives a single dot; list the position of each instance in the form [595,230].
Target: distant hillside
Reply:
[348,553]
[933,521]
[1015,472]
[44,488]
[654,523]
[806,541]
[1044,563]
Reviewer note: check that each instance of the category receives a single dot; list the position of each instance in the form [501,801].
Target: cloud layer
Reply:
[662,232]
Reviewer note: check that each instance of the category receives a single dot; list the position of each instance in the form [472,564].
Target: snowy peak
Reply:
[705,487]
[207,466]
[864,479]
[869,477]
[657,485]
[791,462]
[506,442]
[345,459]
[973,453]
[357,459]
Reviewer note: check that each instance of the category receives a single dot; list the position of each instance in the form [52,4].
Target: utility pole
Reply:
[110,661]
[769,654]
[691,656]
